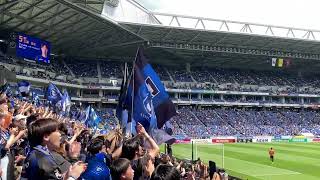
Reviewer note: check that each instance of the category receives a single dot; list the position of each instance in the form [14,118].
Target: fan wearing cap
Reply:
[97,162]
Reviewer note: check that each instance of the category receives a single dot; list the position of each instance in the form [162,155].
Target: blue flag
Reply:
[36,99]
[7,90]
[53,94]
[92,120]
[24,87]
[152,106]
[66,103]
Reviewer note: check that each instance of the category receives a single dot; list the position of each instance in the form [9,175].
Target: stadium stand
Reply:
[248,122]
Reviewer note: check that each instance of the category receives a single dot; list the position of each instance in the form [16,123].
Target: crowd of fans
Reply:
[180,75]
[83,68]
[111,70]
[37,143]
[199,78]
[114,69]
[244,122]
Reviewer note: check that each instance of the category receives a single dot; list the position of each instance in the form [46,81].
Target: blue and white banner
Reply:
[24,87]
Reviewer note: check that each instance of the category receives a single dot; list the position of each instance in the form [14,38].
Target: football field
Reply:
[294,161]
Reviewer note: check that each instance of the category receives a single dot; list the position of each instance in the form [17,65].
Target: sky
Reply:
[289,13]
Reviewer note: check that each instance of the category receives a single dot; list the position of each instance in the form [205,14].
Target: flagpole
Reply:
[132,97]
[124,84]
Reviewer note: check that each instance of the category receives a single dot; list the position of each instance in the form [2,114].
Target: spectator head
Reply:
[6,119]
[44,132]
[165,159]
[132,149]
[32,118]
[222,172]
[96,146]
[3,98]
[165,171]
[63,128]
[147,165]
[212,167]
[18,124]
[121,169]
[107,144]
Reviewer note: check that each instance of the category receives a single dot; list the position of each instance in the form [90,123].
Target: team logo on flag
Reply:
[58,174]
[147,103]
[53,93]
[153,89]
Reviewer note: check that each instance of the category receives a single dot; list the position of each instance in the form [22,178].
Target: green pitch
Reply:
[294,161]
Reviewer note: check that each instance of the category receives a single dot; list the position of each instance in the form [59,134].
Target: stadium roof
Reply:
[93,28]
[74,27]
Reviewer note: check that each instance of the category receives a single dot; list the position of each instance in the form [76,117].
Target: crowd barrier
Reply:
[255,139]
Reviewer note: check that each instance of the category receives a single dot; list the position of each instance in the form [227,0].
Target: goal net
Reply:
[205,151]
[209,152]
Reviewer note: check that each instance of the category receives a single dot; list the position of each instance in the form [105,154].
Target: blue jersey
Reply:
[40,164]
[97,169]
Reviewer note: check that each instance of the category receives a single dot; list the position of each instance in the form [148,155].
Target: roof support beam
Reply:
[9,4]
[23,11]
[34,16]
[63,30]
[98,17]
[51,27]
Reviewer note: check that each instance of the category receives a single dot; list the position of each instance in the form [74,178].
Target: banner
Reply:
[298,140]
[262,139]
[280,140]
[280,62]
[223,140]
[244,140]
[183,141]
[273,62]
[316,140]
[202,141]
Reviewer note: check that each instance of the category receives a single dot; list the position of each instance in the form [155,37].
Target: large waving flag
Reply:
[53,94]
[24,87]
[6,89]
[152,106]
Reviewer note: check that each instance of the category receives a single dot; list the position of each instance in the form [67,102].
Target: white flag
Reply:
[274,61]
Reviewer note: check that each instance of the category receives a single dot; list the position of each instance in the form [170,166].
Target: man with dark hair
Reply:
[212,169]
[44,51]
[44,137]
[121,169]
[147,166]
[133,150]
[165,171]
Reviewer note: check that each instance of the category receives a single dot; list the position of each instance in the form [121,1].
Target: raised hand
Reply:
[74,150]
[141,130]
[77,169]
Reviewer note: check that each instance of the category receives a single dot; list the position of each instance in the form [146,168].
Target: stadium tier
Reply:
[220,79]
